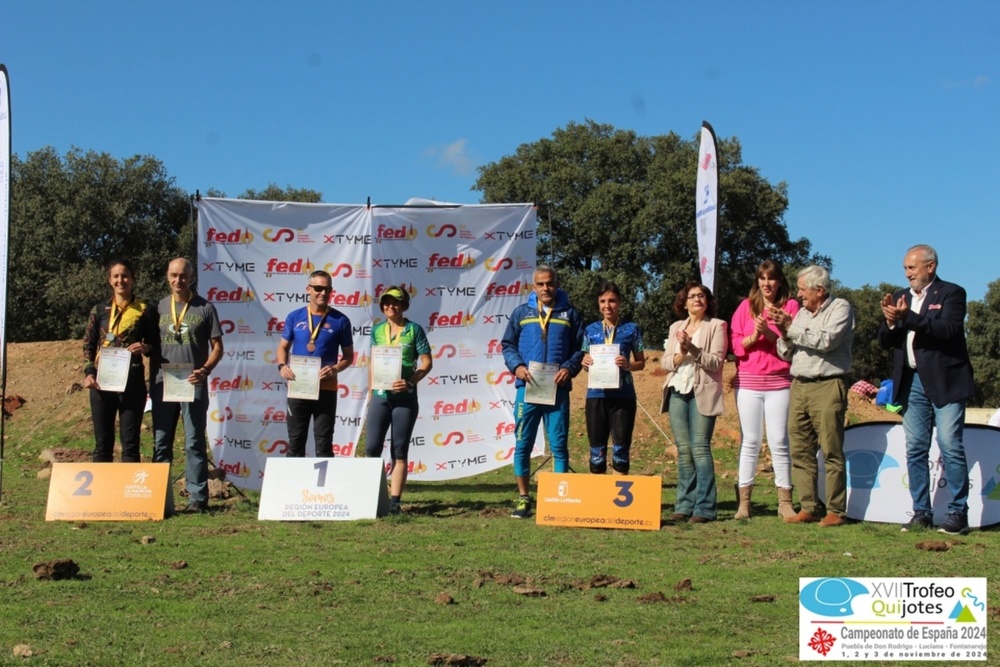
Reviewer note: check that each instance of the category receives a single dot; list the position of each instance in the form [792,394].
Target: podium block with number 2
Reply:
[107,492]
[630,502]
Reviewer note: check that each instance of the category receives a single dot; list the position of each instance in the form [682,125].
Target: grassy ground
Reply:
[453,576]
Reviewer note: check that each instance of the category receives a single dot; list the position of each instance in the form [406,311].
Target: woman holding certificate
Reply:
[119,332]
[400,358]
[763,383]
[693,356]
[612,350]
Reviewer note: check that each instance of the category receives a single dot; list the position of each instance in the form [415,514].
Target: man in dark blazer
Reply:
[932,379]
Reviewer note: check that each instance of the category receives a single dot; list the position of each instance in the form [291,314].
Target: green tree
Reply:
[866,352]
[614,205]
[275,193]
[69,217]
[983,333]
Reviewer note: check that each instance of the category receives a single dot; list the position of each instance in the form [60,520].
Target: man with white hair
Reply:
[932,379]
[818,343]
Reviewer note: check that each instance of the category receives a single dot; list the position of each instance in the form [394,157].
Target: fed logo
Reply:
[234,237]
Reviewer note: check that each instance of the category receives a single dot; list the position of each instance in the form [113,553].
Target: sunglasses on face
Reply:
[320,288]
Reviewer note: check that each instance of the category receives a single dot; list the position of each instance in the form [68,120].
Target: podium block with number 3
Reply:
[631,502]
[107,492]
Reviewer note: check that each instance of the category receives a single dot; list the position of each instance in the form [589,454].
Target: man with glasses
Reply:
[191,337]
[932,378]
[325,333]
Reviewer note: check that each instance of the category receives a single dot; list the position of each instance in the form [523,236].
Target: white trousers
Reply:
[756,409]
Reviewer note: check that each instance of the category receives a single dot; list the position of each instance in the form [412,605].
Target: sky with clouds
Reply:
[882,117]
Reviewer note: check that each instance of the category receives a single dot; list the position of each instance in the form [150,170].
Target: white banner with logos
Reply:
[465,267]
[4,231]
[706,214]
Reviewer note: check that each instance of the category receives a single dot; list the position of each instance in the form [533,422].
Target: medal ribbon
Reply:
[313,333]
[394,340]
[178,321]
[543,319]
[609,334]
[115,320]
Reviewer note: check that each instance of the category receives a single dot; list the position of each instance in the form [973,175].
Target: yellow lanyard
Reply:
[543,319]
[115,319]
[178,321]
[609,334]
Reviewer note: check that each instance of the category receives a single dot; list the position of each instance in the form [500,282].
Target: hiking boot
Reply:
[785,508]
[743,494]
[195,507]
[804,516]
[832,520]
[700,519]
[679,518]
[522,509]
[395,509]
[919,521]
[954,524]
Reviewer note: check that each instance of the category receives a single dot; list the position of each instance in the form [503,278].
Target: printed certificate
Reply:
[112,368]
[306,382]
[603,373]
[542,390]
[387,366]
[176,388]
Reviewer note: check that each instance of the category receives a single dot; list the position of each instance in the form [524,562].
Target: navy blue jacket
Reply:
[938,345]
[523,341]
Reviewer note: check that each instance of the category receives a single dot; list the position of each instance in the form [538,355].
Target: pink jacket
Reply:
[762,358]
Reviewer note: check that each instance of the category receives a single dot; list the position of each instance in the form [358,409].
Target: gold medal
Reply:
[311,346]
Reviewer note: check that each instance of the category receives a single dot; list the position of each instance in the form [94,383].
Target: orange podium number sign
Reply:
[107,492]
[631,502]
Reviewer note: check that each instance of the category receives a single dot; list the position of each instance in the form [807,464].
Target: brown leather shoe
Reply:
[699,519]
[679,518]
[831,520]
[804,516]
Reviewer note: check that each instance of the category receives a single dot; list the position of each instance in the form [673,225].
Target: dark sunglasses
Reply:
[320,288]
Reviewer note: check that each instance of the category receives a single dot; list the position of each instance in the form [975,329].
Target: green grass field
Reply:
[448,578]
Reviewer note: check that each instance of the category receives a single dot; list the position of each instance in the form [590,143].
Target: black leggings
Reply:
[401,413]
[128,406]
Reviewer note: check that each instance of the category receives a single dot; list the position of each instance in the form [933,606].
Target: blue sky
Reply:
[882,117]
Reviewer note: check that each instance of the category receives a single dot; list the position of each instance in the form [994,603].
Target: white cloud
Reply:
[980,81]
[454,156]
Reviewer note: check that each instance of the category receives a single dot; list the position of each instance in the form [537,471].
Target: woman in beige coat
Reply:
[692,394]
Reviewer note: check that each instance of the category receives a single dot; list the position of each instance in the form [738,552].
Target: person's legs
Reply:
[829,410]
[622,425]
[165,416]
[950,420]
[918,422]
[297,422]
[556,420]
[598,429]
[379,418]
[702,428]
[132,403]
[195,415]
[527,416]
[803,446]
[679,410]
[750,405]
[776,422]
[103,410]
[324,413]
[404,417]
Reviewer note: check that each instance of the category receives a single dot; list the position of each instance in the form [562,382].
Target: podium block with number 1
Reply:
[314,489]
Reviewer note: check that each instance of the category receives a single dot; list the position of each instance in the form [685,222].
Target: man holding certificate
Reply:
[316,345]
[190,348]
[542,348]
